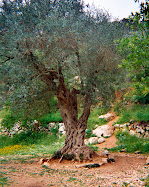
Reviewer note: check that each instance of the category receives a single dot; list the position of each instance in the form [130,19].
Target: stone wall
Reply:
[139,129]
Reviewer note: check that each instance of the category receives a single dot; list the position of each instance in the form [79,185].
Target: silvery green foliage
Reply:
[58,34]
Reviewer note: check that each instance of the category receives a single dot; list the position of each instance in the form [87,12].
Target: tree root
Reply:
[78,153]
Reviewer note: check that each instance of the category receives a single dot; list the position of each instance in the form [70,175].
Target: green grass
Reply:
[136,112]
[35,144]
[94,118]
[95,148]
[26,138]
[131,143]
[52,117]
[2,113]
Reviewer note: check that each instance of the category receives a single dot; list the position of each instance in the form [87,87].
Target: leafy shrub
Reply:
[147,181]
[142,99]
[2,113]
[124,118]
[8,121]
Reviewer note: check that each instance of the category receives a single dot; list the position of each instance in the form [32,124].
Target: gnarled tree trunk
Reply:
[75,128]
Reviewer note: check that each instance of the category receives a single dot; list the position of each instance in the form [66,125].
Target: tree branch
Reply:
[46,74]
[86,111]
[8,58]
[80,68]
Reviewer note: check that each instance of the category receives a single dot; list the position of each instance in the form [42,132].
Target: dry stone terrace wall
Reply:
[35,126]
[139,129]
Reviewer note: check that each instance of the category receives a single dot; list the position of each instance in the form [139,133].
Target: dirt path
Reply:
[127,170]
[111,141]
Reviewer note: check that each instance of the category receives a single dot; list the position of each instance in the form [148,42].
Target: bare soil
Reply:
[127,170]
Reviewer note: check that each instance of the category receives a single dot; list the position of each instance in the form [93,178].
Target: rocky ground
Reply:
[127,170]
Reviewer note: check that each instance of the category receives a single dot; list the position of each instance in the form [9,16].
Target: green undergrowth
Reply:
[2,113]
[35,144]
[130,143]
[40,143]
[136,112]
[52,117]
[94,118]
[27,138]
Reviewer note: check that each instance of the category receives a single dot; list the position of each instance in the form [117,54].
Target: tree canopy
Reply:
[55,35]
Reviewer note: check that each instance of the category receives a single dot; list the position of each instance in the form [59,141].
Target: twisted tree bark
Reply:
[75,128]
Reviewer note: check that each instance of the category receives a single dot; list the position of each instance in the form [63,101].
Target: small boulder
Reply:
[146,135]
[46,164]
[132,132]
[86,141]
[93,140]
[51,125]
[108,116]
[104,131]
[105,153]
[121,126]
[123,150]
[101,140]
[137,152]
[142,131]
[62,128]
[147,161]
[104,160]
[116,126]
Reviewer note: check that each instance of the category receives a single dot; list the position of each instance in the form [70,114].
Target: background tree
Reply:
[60,49]
[134,49]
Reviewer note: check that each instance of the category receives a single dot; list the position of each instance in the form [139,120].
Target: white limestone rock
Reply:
[132,132]
[103,131]
[116,126]
[101,140]
[108,116]
[93,140]
[62,128]
[86,141]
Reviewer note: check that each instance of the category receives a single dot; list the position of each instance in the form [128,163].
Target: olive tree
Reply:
[64,51]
